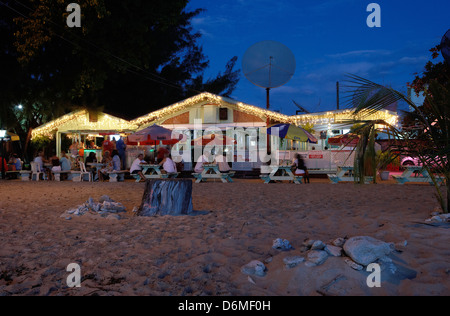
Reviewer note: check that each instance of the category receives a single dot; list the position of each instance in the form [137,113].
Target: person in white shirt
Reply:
[203,159]
[168,164]
[136,166]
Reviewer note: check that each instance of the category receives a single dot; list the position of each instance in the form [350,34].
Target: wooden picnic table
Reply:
[416,174]
[211,171]
[346,174]
[286,174]
[152,171]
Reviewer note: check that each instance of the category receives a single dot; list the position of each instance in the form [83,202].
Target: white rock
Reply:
[254,268]
[333,250]
[292,262]
[318,245]
[366,250]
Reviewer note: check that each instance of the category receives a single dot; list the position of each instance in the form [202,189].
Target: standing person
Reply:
[121,147]
[136,166]
[107,145]
[74,149]
[300,168]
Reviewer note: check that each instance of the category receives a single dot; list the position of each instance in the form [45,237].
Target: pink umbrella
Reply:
[151,133]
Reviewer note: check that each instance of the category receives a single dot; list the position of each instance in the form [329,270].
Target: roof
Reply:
[205,98]
[79,120]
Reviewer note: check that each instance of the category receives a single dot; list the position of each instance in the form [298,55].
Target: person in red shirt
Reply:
[107,145]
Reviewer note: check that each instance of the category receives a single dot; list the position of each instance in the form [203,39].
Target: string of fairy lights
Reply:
[81,120]
[107,122]
[209,98]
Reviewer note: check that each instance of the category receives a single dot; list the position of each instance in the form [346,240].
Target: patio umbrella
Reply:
[290,131]
[349,140]
[154,133]
[214,140]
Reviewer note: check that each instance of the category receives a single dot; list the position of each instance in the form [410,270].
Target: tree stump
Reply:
[167,197]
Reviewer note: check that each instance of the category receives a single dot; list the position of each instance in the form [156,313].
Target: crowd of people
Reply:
[114,159]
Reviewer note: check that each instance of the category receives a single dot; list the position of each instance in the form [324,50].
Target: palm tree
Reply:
[432,121]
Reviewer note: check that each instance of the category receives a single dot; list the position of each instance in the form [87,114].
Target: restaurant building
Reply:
[206,114]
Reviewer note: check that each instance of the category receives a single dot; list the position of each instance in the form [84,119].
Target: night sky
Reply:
[329,38]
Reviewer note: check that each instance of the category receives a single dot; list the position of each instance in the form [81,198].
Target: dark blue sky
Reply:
[329,38]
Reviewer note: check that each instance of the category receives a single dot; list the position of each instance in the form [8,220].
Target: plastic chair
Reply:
[36,171]
[83,172]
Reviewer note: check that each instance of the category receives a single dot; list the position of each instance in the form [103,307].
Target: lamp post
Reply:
[3,135]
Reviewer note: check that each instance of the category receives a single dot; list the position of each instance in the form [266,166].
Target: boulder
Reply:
[366,250]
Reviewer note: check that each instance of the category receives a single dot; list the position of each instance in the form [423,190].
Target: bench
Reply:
[57,174]
[12,174]
[172,175]
[228,176]
[335,179]
[25,175]
[402,179]
[162,176]
[114,175]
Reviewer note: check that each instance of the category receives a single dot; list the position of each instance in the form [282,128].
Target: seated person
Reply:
[136,166]
[40,160]
[221,161]
[112,164]
[92,158]
[168,165]
[106,157]
[117,164]
[56,167]
[15,163]
[201,160]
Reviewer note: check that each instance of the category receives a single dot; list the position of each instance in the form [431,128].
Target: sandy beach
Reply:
[203,254]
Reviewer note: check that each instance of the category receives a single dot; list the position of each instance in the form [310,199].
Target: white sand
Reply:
[202,255]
